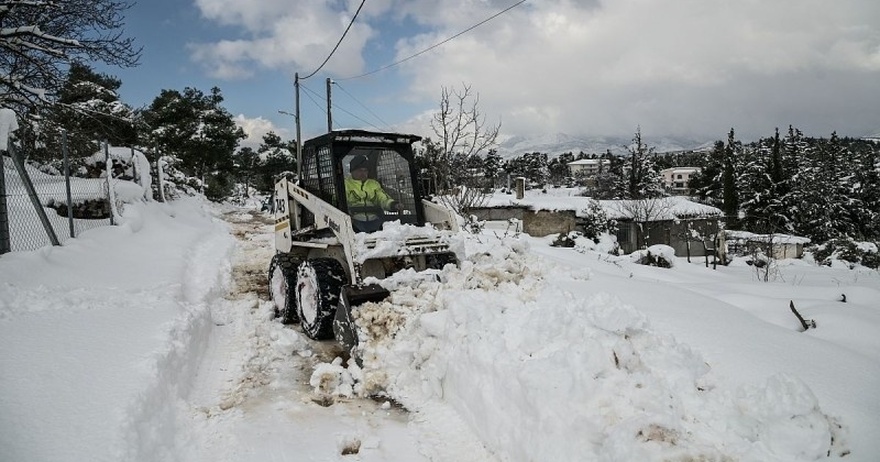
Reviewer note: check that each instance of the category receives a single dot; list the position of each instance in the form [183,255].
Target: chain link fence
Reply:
[39,207]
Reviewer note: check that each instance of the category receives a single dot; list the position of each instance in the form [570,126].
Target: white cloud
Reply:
[285,35]
[683,67]
[255,128]
[672,67]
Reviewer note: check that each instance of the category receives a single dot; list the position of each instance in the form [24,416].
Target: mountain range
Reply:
[560,143]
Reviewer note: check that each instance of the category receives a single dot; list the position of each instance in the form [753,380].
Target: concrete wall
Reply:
[631,236]
[543,223]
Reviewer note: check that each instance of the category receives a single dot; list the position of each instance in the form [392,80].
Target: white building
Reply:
[588,167]
[676,179]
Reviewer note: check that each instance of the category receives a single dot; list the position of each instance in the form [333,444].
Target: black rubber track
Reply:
[288,264]
[329,277]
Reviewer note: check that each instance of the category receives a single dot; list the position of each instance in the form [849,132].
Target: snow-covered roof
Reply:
[681,170]
[776,238]
[558,199]
[589,162]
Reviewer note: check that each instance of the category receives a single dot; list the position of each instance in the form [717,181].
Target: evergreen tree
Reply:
[764,188]
[558,170]
[825,193]
[707,183]
[90,110]
[246,167]
[866,189]
[730,196]
[493,168]
[533,166]
[275,157]
[195,129]
[643,179]
[611,181]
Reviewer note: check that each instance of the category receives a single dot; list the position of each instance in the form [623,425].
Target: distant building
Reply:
[677,179]
[588,167]
[777,246]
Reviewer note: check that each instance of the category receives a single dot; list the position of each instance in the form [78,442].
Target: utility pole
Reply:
[298,129]
[329,116]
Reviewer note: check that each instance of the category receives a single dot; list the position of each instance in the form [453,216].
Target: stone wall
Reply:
[93,209]
[544,223]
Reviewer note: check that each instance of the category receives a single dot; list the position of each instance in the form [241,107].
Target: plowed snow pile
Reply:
[540,373]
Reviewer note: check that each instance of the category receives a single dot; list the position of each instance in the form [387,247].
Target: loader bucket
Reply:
[343,324]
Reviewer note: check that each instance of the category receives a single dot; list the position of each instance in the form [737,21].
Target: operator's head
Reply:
[358,167]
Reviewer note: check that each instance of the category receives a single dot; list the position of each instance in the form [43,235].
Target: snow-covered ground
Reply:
[154,341]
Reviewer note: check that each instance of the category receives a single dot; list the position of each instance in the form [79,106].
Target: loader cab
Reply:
[381,188]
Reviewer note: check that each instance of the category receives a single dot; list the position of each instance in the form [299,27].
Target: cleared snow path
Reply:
[251,400]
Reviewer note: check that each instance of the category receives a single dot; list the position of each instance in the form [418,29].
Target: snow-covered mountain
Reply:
[559,143]
[873,138]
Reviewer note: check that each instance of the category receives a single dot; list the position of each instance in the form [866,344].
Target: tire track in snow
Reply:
[251,399]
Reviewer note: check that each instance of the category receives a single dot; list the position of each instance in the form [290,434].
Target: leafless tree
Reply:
[40,38]
[646,213]
[462,136]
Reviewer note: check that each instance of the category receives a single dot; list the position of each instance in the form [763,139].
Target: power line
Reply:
[339,42]
[362,105]
[312,94]
[355,116]
[309,93]
[439,43]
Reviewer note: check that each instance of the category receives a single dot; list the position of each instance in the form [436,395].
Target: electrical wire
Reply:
[339,42]
[309,93]
[438,43]
[362,105]
[355,116]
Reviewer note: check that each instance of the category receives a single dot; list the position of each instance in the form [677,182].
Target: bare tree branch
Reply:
[40,39]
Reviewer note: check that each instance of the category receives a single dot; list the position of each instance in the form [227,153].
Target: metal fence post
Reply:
[160,175]
[111,193]
[32,193]
[134,167]
[5,244]
[67,182]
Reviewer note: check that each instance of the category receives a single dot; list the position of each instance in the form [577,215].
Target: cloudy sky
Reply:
[584,67]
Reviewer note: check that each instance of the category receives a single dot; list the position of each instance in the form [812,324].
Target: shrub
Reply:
[847,250]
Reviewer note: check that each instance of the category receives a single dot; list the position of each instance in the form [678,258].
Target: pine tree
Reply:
[493,167]
[90,110]
[195,129]
[275,157]
[707,183]
[730,195]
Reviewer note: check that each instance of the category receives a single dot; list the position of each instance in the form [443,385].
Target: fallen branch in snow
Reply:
[806,323]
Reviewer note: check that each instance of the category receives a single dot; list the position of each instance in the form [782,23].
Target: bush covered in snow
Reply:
[662,256]
[852,252]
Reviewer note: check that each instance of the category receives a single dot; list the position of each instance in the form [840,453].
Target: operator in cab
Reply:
[366,199]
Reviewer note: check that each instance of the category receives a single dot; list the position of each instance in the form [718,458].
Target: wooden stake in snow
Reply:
[805,323]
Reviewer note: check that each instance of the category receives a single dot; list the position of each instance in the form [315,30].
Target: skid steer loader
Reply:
[324,250]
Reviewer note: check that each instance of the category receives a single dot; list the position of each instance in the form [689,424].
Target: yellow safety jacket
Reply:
[367,193]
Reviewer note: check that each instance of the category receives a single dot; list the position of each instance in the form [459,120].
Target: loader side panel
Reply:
[283,218]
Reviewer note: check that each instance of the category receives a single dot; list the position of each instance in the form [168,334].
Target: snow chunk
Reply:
[8,124]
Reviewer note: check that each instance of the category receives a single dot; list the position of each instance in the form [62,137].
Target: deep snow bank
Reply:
[541,373]
[100,336]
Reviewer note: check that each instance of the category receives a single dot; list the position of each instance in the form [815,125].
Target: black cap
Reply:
[359,161]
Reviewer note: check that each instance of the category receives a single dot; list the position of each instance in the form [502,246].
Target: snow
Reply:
[129,156]
[558,199]
[777,238]
[8,124]
[142,342]
[51,189]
